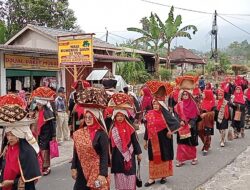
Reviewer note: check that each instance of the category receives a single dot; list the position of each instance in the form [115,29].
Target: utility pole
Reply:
[107,34]
[215,53]
[215,33]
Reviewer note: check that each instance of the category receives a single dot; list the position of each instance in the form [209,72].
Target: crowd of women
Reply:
[104,135]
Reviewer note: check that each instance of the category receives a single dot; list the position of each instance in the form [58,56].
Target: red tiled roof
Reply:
[182,55]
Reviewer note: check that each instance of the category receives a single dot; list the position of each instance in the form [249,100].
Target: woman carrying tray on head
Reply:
[20,168]
[91,147]
[160,125]
[124,144]
[46,125]
[188,112]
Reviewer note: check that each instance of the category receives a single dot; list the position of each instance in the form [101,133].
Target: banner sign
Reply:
[27,62]
[75,52]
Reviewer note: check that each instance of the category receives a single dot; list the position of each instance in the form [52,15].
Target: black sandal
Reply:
[163,180]
[149,184]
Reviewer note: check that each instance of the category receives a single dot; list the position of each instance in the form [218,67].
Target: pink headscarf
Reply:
[208,102]
[239,97]
[147,98]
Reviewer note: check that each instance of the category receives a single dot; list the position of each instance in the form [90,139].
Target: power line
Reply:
[118,36]
[234,25]
[196,11]
[184,9]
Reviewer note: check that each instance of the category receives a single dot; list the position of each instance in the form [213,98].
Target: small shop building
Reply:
[29,59]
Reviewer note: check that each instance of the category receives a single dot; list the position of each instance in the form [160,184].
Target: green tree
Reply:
[2,32]
[133,72]
[151,36]
[171,29]
[51,13]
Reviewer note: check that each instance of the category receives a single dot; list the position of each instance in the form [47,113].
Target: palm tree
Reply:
[151,36]
[171,29]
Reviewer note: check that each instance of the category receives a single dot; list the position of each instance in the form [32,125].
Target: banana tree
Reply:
[171,29]
[151,36]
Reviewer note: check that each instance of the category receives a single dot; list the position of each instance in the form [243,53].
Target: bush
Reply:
[165,74]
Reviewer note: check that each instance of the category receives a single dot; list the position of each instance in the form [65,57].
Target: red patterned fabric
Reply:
[44,92]
[121,98]
[180,79]
[123,181]
[239,97]
[11,170]
[89,159]
[185,152]
[12,99]
[154,85]
[155,122]
[209,101]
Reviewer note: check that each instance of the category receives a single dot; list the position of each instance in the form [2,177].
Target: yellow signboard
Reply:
[27,62]
[75,52]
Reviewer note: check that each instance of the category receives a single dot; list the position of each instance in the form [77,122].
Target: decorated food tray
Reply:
[43,92]
[93,97]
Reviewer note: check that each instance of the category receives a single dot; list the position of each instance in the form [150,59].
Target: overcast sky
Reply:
[118,15]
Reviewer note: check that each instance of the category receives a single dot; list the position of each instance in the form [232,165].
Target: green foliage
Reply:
[223,67]
[171,28]
[51,13]
[133,72]
[156,34]
[192,73]
[239,51]
[165,73]
[2,32]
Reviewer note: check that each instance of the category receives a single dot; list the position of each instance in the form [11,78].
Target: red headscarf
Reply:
[187,108]
[208,86]
[147,98]
[238,80]
[196,91]
[40,121]
[79,110]
[94,127]
[239,97]
[84,83]
[11,170]
[248,94]
[155,122]
[125,131]
[208,102]
[220,101]
[175,94]
[108,112]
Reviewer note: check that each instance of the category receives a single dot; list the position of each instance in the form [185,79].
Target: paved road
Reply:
[187,177]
